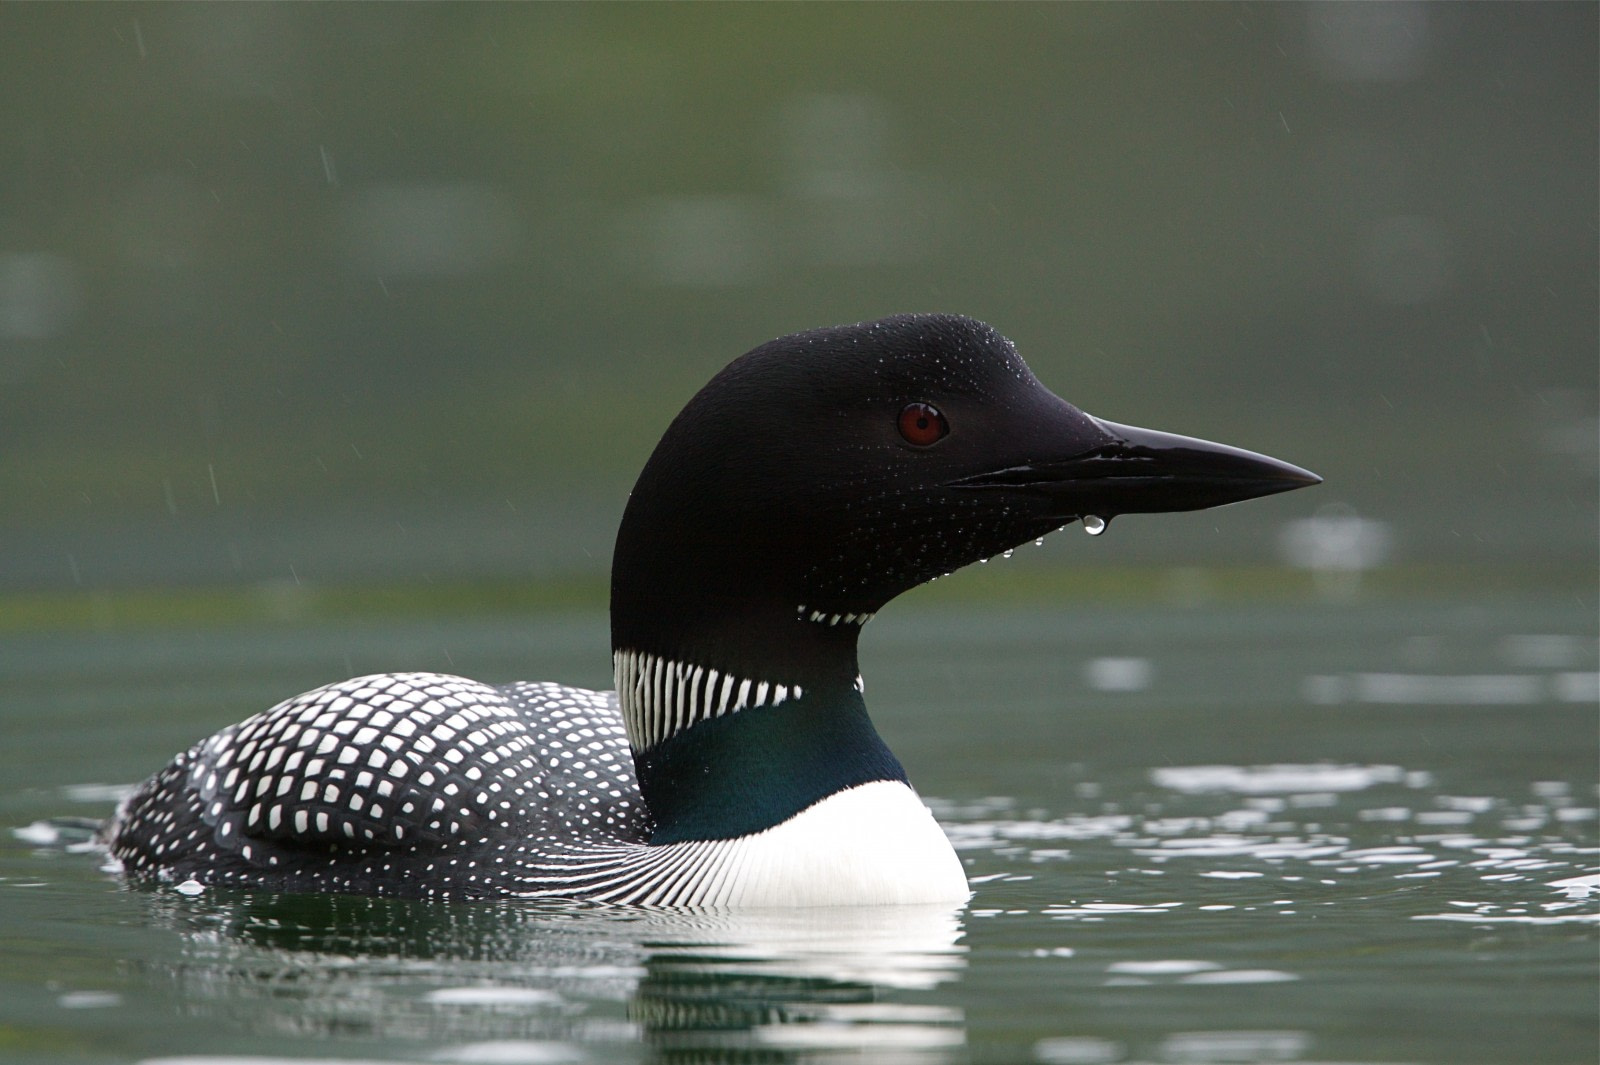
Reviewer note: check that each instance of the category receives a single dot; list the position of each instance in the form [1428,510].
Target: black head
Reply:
[824,473]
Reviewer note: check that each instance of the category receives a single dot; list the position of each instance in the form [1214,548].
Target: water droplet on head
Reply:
[1093,524]
[1007,552]
[981,561]
[1039,542]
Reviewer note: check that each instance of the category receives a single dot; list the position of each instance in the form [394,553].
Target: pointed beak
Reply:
[1143,471]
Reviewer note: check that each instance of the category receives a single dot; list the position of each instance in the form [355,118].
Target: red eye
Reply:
[922,424]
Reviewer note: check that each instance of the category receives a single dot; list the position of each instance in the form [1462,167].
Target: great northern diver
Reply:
[811,481]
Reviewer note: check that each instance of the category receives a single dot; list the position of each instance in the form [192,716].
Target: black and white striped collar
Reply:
[662,697]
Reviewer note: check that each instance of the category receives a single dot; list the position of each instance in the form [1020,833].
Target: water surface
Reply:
[1299,832]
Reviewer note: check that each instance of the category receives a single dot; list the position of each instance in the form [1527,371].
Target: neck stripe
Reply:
[661,697]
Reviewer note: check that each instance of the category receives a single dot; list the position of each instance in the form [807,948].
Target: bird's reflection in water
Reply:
[508,981]
[793,983]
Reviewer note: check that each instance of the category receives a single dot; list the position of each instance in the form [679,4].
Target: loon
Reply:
[811,481]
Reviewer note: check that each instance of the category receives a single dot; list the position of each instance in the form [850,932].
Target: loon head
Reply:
[822,474]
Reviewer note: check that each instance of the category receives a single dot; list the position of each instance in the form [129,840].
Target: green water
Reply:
[295,297]
[1306,831]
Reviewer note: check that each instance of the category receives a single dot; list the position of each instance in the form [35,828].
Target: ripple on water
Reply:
[1234,837]
[1264,779]
[1180,971]
[1212,1046]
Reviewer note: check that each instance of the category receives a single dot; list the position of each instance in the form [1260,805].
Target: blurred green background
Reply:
[337,296]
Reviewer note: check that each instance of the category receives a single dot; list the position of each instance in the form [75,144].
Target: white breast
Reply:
[873,844]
